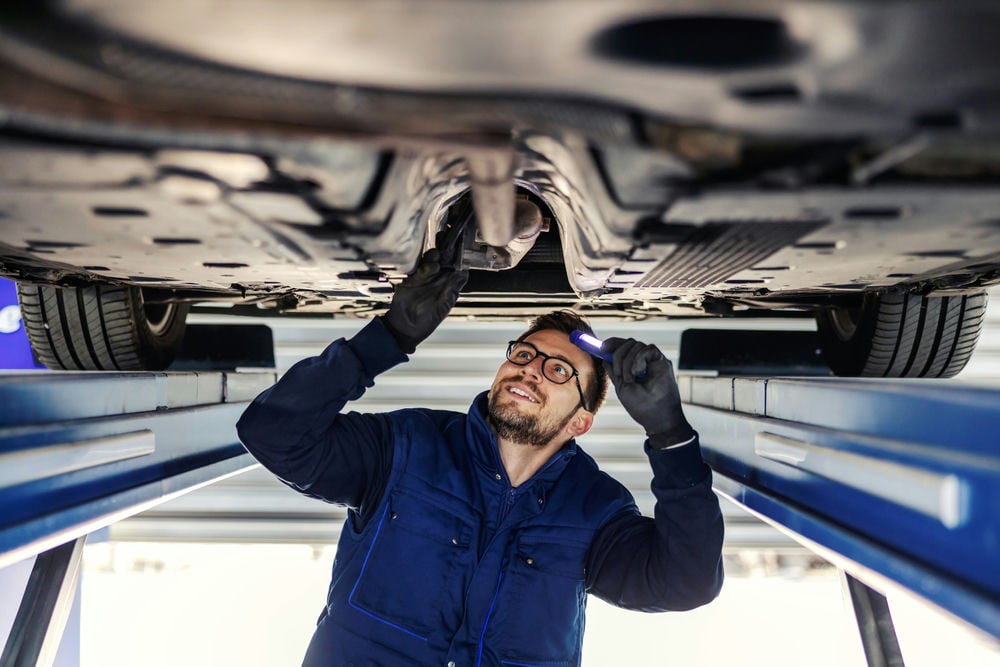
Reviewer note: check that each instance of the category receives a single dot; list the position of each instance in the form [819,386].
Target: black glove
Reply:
[422,301]
[645,384]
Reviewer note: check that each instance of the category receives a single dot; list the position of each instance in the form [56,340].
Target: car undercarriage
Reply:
[628,160]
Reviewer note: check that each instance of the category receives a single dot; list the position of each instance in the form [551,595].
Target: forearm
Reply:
[672,562]
[296,429]
[689,526]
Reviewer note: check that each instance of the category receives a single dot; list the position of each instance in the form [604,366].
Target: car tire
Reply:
[100,327]
[895,334]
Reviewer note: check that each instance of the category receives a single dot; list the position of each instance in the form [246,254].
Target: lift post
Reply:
[878,634]
[895,481]
[45,606]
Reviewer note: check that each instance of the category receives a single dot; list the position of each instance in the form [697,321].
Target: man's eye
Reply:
[523,355]
[560,370]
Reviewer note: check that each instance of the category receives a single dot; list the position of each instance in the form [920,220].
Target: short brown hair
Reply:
[566,321]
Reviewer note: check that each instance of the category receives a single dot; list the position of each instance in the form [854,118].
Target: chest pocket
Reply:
[415,571]
[542,604]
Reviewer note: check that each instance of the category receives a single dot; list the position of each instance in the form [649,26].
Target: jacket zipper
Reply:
[505,509]
[489,613]
[508,503]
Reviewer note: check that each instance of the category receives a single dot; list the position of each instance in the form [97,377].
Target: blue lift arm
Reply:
[79,451]
[892,480]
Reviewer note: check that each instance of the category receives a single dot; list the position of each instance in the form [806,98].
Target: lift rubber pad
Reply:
[223,347]
[754,353]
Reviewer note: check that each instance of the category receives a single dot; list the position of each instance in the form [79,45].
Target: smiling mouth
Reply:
[520,393]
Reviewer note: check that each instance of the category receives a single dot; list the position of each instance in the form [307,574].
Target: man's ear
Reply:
[581,423]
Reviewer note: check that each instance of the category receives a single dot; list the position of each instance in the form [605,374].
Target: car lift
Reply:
[896,482]
[80,451]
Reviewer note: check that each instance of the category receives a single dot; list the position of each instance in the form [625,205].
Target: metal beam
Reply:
[878,634]
[45,607]
[895,481]
[79,451]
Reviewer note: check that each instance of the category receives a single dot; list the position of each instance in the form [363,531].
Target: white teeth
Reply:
[515,390]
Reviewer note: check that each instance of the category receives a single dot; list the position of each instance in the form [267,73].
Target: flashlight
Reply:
[592,345]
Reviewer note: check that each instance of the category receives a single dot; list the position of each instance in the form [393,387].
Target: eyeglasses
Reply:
[554,369]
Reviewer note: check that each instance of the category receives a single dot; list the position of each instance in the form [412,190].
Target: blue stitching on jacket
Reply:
[350,598]
[489,613]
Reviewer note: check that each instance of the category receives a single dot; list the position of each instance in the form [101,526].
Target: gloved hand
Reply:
[422,301]
[645,384]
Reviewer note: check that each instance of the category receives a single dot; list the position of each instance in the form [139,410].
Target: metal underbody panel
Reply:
[757,65]
[896,481]
[696,158]
[143,220]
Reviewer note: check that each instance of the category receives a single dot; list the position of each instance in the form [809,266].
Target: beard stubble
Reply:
[532,430]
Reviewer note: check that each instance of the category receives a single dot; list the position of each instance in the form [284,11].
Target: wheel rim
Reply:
[159,316]
[844,322]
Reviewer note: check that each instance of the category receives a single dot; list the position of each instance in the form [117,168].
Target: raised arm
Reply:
[673,561]
[296,428]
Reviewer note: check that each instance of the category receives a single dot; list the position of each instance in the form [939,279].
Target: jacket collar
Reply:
[486,452]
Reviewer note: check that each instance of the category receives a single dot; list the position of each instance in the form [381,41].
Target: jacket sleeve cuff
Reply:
[679,435]
[677,467]
[376,348]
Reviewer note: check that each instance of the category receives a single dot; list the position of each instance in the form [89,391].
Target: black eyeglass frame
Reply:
[545,360]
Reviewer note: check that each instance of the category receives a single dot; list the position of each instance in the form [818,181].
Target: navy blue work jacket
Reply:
[442,561]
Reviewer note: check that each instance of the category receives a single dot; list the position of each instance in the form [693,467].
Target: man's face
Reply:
[526,407]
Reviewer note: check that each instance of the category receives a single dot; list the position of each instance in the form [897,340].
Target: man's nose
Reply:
[534,367]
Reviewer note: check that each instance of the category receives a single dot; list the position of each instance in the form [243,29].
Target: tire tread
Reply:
[908,335]
[97,327]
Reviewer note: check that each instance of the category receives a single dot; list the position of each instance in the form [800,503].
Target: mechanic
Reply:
[474,539]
